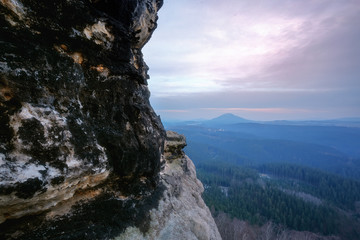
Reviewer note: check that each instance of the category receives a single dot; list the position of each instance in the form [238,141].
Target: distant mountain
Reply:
[349,119]
[227,118]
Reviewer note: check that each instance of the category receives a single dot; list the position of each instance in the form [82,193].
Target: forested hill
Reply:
[292,180]
[290,196]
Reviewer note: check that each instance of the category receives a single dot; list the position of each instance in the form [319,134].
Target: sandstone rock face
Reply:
[182,213]
[80,145]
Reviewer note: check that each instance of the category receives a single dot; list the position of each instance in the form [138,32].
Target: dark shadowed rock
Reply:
[76,123]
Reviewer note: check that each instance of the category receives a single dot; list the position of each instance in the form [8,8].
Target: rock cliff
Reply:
[80,145]
[181,213]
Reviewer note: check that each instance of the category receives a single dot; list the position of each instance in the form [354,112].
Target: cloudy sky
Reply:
[259,59]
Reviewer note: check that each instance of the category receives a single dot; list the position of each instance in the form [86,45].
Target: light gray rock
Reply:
[182,213]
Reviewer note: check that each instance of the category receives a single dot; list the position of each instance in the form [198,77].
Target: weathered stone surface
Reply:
[81,148]
[74,108]
[174,145]
[182,213]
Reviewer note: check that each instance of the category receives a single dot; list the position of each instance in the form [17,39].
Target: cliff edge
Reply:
[181,213]
[81,149]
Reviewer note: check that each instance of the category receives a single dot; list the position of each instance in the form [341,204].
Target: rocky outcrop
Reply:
[80,145]
[182,213]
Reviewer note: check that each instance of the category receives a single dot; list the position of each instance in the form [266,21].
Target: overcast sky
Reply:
[262,60]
